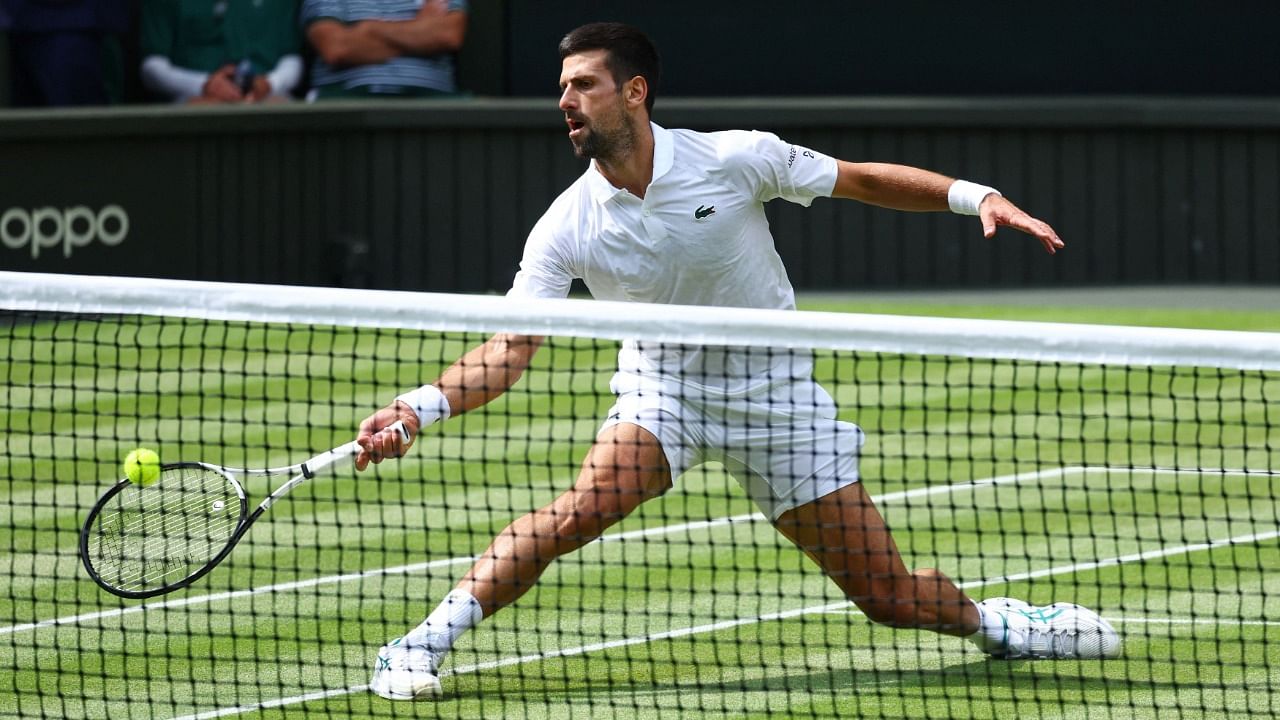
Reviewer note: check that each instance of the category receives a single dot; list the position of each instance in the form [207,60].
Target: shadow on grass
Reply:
[979,672]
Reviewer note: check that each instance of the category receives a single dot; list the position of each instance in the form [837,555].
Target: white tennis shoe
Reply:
[406,672]
[1059,631]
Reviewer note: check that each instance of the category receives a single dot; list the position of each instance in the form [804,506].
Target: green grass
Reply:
[724,620]
[1215,319]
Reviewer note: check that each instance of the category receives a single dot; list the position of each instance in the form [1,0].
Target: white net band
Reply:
[994,339]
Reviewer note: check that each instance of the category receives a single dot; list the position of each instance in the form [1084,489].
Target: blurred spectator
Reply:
[384,48]
[65,52]
[219,51]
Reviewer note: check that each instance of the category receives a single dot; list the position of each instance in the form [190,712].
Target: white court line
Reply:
[1134,557]
[234,594]
[725,624]
[1131,620]
[697,525]
[1123,619]
[446,562]
[507,662]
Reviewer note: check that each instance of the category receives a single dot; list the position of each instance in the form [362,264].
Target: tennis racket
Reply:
[139,542]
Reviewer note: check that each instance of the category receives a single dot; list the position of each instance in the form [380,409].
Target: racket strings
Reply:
[150,537]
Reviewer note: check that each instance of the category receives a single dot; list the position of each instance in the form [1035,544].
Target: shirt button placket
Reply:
[652,225]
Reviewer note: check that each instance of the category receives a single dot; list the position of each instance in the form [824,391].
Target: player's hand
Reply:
[377,443]
[221,85]
[996,210]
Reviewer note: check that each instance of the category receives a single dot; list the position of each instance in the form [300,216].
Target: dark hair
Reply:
[630,53]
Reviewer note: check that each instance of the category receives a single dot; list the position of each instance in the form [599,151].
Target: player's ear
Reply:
[636,91]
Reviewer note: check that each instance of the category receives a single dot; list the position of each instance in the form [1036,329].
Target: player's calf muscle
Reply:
[902,601]
[925,599]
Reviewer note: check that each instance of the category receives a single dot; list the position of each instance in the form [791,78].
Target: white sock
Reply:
[992,631]
[455,615]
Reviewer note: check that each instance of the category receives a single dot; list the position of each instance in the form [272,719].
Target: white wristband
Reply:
[429,403]
[965,197]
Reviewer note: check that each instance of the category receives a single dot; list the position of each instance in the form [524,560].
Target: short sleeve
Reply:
[545,270]
[772,168]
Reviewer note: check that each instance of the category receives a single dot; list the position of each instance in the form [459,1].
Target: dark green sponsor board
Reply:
[439,195]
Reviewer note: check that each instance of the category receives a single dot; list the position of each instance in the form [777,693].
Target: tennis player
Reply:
[674,216]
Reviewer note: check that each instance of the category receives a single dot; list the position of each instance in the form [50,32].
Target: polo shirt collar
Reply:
[663,158]
[664,151]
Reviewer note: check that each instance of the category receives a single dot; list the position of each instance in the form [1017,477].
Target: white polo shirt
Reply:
[699,236]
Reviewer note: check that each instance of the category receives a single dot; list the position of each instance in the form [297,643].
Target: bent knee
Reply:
[584,514]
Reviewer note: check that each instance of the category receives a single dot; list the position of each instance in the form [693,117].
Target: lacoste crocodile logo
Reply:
[702,212]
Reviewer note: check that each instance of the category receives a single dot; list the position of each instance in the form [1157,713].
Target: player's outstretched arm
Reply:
[479,376]
[901,187]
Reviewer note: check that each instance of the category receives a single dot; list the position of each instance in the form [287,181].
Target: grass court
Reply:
[1147,494]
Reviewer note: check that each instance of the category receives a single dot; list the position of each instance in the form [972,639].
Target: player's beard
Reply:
[607,138]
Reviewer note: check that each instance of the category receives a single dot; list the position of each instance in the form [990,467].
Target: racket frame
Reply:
[87,530]
[300,472]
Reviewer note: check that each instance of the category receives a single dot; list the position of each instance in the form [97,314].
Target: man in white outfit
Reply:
[674,216]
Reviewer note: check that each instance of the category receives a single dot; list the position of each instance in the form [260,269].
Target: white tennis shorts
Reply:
[780,440]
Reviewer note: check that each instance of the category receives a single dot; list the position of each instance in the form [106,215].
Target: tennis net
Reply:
[1135,471]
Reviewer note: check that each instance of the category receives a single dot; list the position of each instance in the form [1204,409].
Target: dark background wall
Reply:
[912,47]
[439,196]
[4,68]
[1147,132]
[717,48]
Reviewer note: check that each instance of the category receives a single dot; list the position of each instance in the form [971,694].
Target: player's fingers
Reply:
[1036,228]
[1052,243]
[363,456]
[988,217]
[1046,235]
[367,428]
[391,443]
[385,444]
[399,442]
[368,441]
[379,441]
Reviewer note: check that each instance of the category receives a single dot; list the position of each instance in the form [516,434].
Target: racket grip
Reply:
[346,452]
[399,427]
[343,452]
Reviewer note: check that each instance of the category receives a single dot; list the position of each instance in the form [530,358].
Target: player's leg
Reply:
[625,467]
[803,473]
[805,478]
[844,533]
[846,536]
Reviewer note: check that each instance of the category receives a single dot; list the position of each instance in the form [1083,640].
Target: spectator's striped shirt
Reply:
[399,76]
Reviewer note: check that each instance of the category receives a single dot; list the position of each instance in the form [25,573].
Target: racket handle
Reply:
[399,427]
[345,452]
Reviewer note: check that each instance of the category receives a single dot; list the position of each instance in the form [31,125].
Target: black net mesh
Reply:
[1146,494]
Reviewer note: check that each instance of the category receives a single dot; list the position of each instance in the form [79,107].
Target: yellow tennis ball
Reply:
[142,467]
